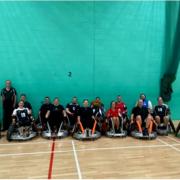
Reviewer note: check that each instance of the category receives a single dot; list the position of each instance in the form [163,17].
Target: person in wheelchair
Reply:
[72,110]
[161,114]
[85,118]
[26,103]
[22,117]
[44,112]
[121,106]
[99,113]
[142,118]
[57,116]
[114,114]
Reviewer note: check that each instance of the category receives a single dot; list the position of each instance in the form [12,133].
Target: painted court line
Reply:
[51,159]
[29,143]
[173,139]
[76,160]
[171,146]
[90,149]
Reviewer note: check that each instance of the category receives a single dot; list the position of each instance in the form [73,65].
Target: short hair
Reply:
[23,95]
[85,100]
[56,98]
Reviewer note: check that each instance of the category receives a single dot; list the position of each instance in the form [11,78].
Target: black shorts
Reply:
[24,123]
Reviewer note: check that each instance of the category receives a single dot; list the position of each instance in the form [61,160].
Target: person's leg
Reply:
[166,120]
[149,124]
[139,123]
[158,120]
[117,122]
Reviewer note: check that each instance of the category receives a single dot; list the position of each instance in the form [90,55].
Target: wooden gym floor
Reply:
[105,158]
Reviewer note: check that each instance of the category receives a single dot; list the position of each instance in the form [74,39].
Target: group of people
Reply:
[143,115]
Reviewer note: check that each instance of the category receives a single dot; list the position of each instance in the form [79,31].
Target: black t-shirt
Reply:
[85,113]
[44,108]
[143,112]
[160,110]
[8,95]
[73,108]
[56,111]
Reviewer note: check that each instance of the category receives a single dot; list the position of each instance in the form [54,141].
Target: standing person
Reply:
[8,95]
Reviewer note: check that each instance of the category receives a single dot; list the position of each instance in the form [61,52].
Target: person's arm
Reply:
[2,96]
[14,103]
[69,112]
[78,119]
[64,113]
[132,118]
[47,114]
[14,116]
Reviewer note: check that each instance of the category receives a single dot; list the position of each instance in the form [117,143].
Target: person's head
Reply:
[119,98]
[160,100]
[56,101]
[21,104]
[142,96]
[46,100]
[98,99]
[23,97]
[113,104]
[85,103]
[74,100]
[8,83]
[140,103]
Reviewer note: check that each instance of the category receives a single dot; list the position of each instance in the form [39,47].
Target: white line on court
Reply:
[90,149]
[29,143]
[173,139]
[76,160]
[171,146]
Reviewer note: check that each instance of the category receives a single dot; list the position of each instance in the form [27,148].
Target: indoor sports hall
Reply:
[90,89]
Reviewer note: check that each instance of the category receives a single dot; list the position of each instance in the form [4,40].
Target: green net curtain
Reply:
[109,48]
[172,49]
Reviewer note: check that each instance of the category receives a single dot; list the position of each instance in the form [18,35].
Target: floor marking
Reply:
[51,159]
[171,146]
[76,160]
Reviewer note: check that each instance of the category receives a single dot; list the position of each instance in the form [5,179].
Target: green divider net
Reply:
[110,48]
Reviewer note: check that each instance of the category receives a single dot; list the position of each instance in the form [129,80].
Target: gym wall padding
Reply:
[110,48]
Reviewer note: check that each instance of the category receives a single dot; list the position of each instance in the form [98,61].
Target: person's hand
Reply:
[131,121]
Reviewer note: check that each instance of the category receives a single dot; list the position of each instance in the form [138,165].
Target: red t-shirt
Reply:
[112,113]
[121,106]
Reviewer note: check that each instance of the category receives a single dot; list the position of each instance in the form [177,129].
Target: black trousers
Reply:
[7,115]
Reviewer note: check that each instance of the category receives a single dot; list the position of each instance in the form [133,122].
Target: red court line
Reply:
[51,159]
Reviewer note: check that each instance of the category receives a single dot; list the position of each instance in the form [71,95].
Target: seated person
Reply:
[98,112]
[22,117]
[141,116]
[85,117]
[57,115]
[26,103]
[161,113]
[44,112]
[72,111]
[114,114]
[97,107]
